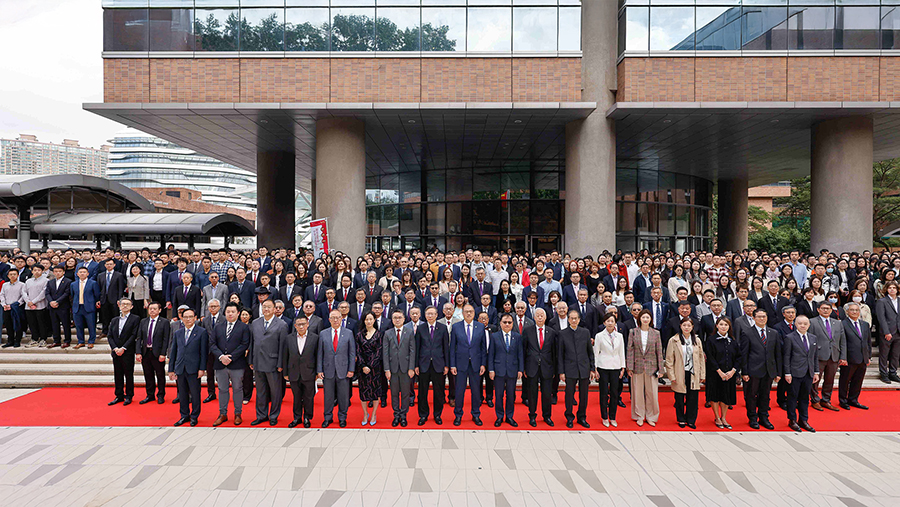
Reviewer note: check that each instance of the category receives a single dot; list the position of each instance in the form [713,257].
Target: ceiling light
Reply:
[773,122]
[410,121]
[264,121]
[517,121]
[667,121]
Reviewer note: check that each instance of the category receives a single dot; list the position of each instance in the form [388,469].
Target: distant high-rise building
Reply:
[27,155]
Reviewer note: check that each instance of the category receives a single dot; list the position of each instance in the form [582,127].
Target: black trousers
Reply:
[61,316]
[781,393]
[829,369]
[531,384]
[107,312]
[609,393]
[798,398]
[850,383]
[686,403]
[486,386]
[159,297]
[13,336]
[123,371]
[888,355]
[436,379]
[304,394]
[248,383]
[582,397]
[756,396]
[451,386]
[39,322]
[211,378]
[189,395]
[154,374]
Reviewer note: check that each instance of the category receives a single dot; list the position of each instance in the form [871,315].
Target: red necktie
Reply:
[371,290]
[335,340]
[541,337]
[520,325]
[399,332]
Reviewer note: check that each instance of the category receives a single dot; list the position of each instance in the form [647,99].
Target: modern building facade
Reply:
[524,124]
[28,156]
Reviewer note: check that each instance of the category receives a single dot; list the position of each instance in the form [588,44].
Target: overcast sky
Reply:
[49,65]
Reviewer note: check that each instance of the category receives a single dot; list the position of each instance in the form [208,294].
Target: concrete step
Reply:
[35,356]
[27,348]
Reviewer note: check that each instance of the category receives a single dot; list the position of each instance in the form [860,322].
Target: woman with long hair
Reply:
[686,369]
[644,362]
[138,290]
[369,368]
[724,356]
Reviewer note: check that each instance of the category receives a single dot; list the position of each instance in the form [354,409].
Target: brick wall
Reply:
[343,80]
[758,79]
[189,202]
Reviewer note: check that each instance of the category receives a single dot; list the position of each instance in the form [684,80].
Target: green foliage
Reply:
[759,219]
[886,201]
[781,238]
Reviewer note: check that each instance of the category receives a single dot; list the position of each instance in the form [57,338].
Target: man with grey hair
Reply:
[855,357]
[212,309]
[539,341]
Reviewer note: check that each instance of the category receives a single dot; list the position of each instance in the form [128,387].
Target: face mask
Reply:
[829,270]
[857,299]
[832,300]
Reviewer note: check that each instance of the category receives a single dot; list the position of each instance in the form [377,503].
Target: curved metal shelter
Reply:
[206,224]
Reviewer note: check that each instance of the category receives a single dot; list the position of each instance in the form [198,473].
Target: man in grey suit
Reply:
[801,371]
[336,363]
[399,356]
[214,290]
[266,361]
[832,342]
[209,322]
[300,355]
[887,313]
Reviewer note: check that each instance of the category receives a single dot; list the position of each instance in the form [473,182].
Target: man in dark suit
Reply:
[434,297]
[213,316]
[407,306]
[533,288]
[659,310]
[772,303]
[173,281]
[576,367]
[346,321]
[325,308]
[57,294]
[112,288]
[570,292]
[673,324]
[122,339]
[801,370]
[587,314]
[228,342]
[359,307]
[784,327]
[887,315]
[336,363]
[289,289]
[371,289]
[432,358]
[153,338]
[480,286]
[468,361]
[831,344]
[187,357]
[532,305]
[761,362]
[315,323]
[641,285]
[316,291]
[300,354]
[855,358]
[187,294]
[345,291]
[611,281]
[268,334]
[540,346]
[506,361]
[488,308]
[735,307]
[243,288]
[708,322]
[85,295]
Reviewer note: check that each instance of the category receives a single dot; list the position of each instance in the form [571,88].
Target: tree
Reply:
[885,196]
[268,35]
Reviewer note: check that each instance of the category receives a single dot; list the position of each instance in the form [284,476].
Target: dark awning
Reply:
[207,224]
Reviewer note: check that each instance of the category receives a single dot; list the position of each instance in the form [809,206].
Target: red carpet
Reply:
[87,407]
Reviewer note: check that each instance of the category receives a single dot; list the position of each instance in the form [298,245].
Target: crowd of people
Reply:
[400,324]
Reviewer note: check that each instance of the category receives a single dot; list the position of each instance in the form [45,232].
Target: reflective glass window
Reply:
[459,218]
[489,29]
[373,220]
[171,29]
[306,29]
[459,184]
[682,219]
[667,183]
[811,28]
[546,185]
[856,28]
[390,184]
[411,187]
[410,219]
[515,185]
[443,29]
[626,184]
[672,28]
[125,30]
[534,28]
[486,184]
[626,218]
[514,217]
[890,27]
[217,3]
[636,33]
[666,219]
[569,29]
[352,29]
[648,186]
[486,217]
[390,220]
[764,28]
[397,29]
[647,218]
[262,29]
[545,217]
[435,183]
[718,28]
[216,29]
[435,218]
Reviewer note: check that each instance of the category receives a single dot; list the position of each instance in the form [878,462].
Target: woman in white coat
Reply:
[609,351]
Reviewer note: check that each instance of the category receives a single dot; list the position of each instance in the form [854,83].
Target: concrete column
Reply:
[591,142]
[275,199]
[841,185]
[733,218]
[340,189]
[23,230]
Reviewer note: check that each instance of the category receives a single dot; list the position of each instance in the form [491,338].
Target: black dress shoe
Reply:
[767,425]
[175,401]
[422,421]
[661,381]
[512,422]
[532,421]
[383,403]
[326,424]
[403,422]
[477,421]
[792,425]
[160,400]
[894,377]
[127,402]
[548,421]
[113,402]
[194,422]
[498,422]
[754,425]
[845,406]
[181,421]
[490,403]
[306,423]
[584,423]
[692,426]
[856,404]
[457,421]
[783,406]
[885,379]
[257,422]
[682,425]
[395,422]
[145,400]
[438,421]
[342,424]
[273,422]
[621,403]
[293,423]
[209,398]
[553,399]
[570,424]
[806,427]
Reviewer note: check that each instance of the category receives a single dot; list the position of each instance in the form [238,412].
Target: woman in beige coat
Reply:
[138,290]
[686,368]
[644,361]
